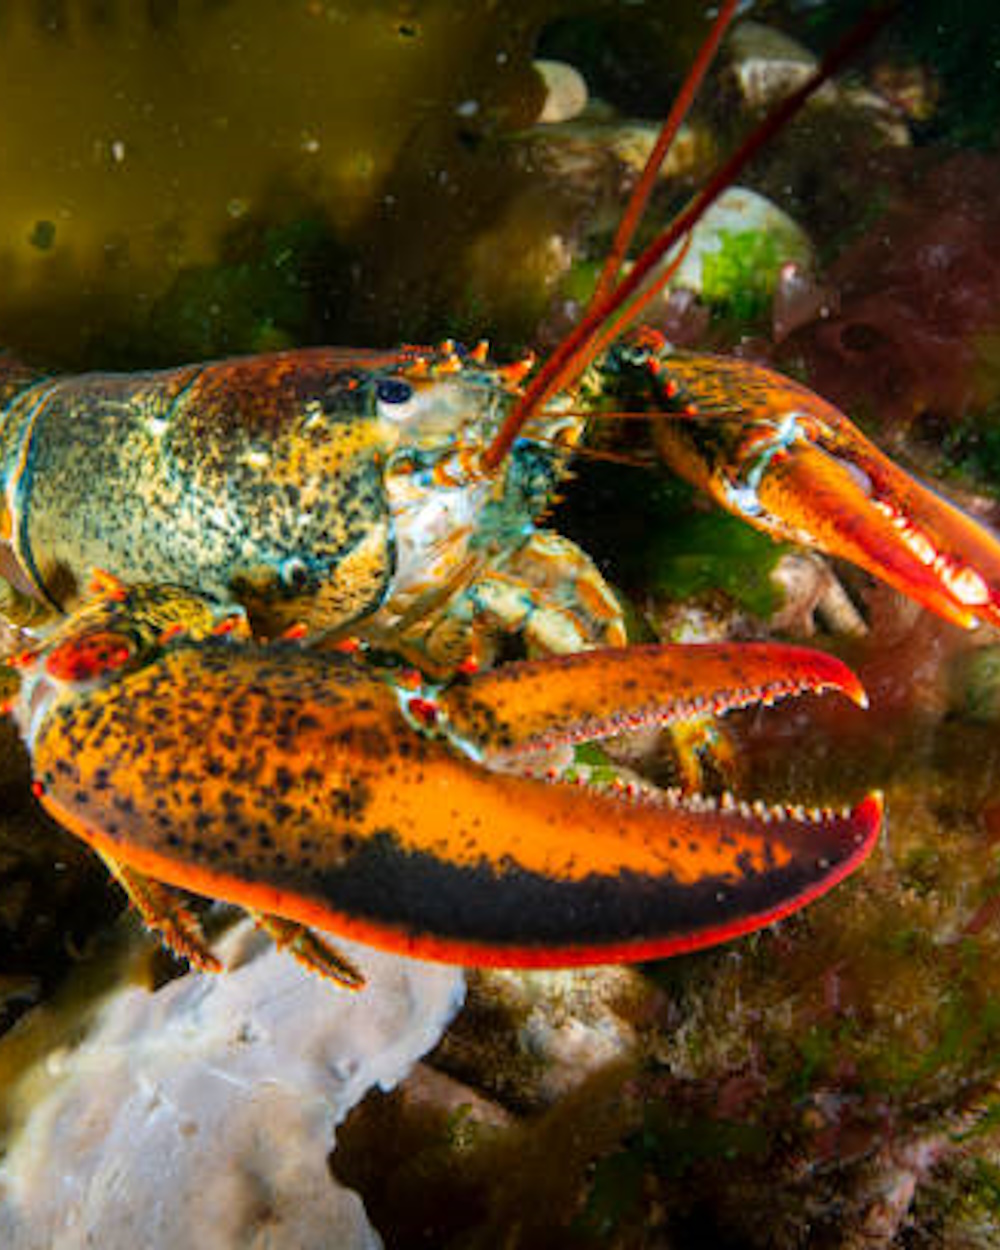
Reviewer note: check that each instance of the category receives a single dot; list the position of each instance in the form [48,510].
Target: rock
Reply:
[799,299]
[767,65]
[202,1115]
[607,149]
[738,249]
[529,1039]
[813,594]
[566,92]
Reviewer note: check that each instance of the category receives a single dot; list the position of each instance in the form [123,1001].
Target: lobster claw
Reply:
[311,788]
[794,466]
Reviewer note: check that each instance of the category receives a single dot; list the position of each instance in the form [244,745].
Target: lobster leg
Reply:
[310,950]
[546,590]
[163,911]
[551,591]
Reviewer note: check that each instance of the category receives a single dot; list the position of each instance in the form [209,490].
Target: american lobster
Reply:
[392,497]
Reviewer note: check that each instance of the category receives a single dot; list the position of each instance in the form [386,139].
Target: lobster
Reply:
[392,498]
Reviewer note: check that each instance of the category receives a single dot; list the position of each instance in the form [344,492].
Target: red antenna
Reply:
[576,351]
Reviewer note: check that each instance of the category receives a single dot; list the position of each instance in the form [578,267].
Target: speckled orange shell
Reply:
[281,781]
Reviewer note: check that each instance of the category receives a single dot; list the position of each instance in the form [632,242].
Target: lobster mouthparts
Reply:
[316,790]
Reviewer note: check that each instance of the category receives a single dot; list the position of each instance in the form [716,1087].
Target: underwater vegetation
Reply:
[144,142]
[179,180]
[912,339]
[189,177]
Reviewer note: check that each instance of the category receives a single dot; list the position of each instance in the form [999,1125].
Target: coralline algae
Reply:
[202,1115]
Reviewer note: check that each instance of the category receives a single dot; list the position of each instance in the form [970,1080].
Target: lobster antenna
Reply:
[679,110]
[575,352]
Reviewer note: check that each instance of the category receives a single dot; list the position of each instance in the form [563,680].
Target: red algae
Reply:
[919,299]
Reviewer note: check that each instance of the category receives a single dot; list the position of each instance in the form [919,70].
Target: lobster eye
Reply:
[393,391]
[294,574]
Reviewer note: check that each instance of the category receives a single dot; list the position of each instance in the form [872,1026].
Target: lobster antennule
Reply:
[296,787]
[595,694]
[637,201]
[573,355]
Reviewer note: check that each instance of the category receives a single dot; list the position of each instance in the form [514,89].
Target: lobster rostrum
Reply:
[394,497]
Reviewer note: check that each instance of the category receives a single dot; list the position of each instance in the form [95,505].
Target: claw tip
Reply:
[869,813]
[847,682]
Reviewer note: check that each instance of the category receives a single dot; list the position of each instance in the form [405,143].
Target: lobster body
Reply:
[260,476]
[318,487]
[345,490]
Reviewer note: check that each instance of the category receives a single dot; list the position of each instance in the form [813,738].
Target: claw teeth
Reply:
[967,586]
[770,694]
[728,804]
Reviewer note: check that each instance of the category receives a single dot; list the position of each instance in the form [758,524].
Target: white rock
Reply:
[202,1115]
[566,92]
[813,594]
[768,64]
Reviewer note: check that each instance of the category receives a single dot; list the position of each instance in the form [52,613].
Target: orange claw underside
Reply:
[275,780]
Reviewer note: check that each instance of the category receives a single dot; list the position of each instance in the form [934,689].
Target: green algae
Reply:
[970,448]
[262,295]
[592,765]
[716,552]
[986,1177]
[668,1148]
[652,535]
[739,279]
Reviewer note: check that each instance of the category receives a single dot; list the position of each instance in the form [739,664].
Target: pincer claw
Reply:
[792,465]
[648,875]
[853,502]
[395,815]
